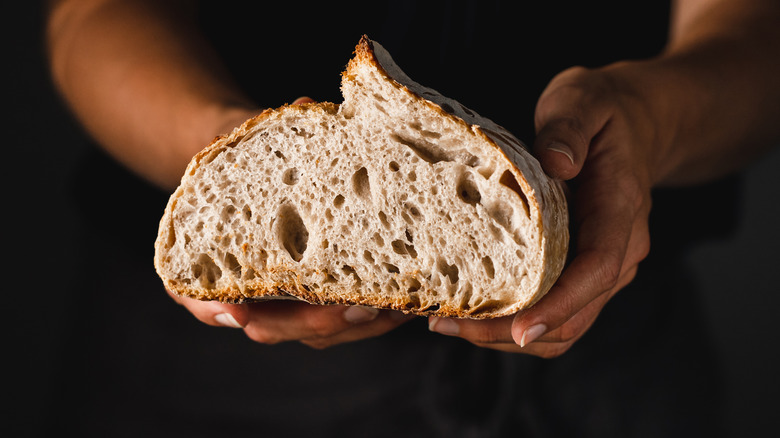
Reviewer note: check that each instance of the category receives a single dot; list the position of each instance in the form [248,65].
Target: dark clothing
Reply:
[143,366]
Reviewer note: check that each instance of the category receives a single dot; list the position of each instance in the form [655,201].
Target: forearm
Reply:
[720,83]
[142,82]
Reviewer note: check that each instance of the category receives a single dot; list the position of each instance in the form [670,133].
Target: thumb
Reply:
[569,115]
[302,100]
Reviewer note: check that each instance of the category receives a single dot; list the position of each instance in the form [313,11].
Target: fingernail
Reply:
[532,333]
[356,314]
[227,320]
[444,326]
[562,149]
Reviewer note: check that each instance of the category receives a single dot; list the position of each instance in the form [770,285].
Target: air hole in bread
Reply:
[290,176]
[249,274]
[367,256]
[402,248]
[490,270]
[361,184]
[466,291]
[486,306]
[246,213]
[430,134]
[391,268]
[349,270]
[467,190]
[291,232]
[414,301]
[301,132]
[413,286]
[423,149]
[330,278]
[232,265]
[487,170]
[383,219]
[449,271]
[413,211]
[171,238]
[227,213]
[378,240]
[392,285]
[394,166]
[206,271]
[338,201]
[509,180]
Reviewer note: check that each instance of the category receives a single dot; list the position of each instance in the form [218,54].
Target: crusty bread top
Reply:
[354,233]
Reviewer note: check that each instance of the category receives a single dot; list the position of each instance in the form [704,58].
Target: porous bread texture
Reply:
[397,198]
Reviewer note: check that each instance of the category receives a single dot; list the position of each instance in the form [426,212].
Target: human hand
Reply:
[276,321]
[595,129]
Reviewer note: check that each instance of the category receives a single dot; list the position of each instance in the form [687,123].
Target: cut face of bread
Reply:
[397,198]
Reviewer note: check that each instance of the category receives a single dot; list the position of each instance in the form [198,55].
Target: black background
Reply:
[43,148]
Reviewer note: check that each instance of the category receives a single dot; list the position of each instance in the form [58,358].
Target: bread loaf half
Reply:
[397,198]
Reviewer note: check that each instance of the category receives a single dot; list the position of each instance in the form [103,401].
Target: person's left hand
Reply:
[597,129]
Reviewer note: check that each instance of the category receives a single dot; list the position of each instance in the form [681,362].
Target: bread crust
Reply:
[544,197]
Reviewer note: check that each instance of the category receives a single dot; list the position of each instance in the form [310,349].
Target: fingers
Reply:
[281,321]
[569,114]
[278,321]
[385,321]
[497,334]
[611,242]
[215,313]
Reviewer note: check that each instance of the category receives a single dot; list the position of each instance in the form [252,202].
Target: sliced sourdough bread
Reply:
[397,198]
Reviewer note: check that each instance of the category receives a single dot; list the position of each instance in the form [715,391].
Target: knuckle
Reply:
[608,273]
[574,74]
[568,333]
